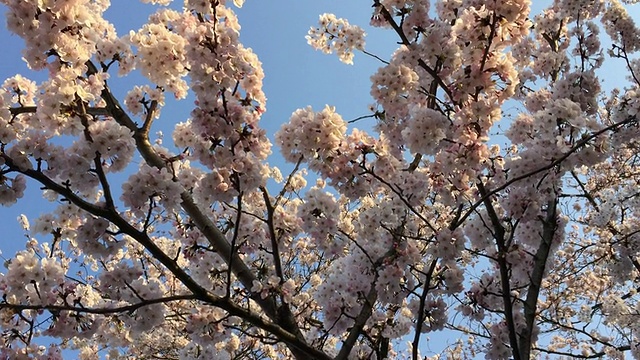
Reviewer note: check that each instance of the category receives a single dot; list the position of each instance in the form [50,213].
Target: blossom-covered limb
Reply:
[585,141]
[368,302]
[389,18]
[199,292]
[89,310]
[211,232]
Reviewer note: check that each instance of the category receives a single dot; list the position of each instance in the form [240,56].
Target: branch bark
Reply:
[549,227]
[361,319]
[420,320]
[97,310]
[503,266]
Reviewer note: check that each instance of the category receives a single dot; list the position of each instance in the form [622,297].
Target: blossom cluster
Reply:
[313,135]
[425,129]
[139,99]
[392,86]
[70,30]
[148,185]
[318,215]
[161,57]
[620,26]
[336,35]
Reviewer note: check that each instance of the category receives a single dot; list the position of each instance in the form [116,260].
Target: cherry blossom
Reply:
[490,195]
[336,35]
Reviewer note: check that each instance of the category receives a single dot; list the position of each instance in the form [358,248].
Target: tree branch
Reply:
[549,166]
[503,266]
[549,227]
[420,320]
[405,41]
[100,310]
[360,321]
[272,234]
[295,342]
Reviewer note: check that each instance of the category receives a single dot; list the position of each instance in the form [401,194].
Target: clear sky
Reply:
[296,75]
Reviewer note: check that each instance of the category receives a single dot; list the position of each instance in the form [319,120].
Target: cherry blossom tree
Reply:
[427,222]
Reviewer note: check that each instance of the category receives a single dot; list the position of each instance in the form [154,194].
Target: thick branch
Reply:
[361,320]
[540,261]
[98,310]
[272,234]
[498,234]
[366,311]
[32,110]
[420,320]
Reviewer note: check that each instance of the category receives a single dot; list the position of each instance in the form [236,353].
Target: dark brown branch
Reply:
[101,310]
[598,355]
[375,57]
[587,195]
[32,110]
[419,322]
[97,160]
[498,234]
[360,320]
[549,227]
[367,308]
[286,184]
[236,232]
[272,234]
[151,112]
